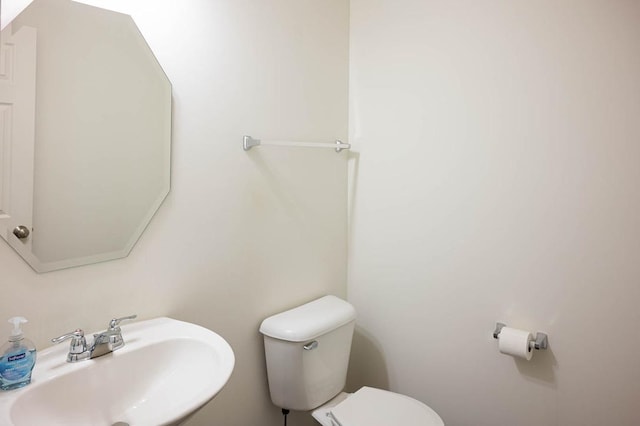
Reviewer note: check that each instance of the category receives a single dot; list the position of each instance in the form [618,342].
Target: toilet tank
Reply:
[307,352]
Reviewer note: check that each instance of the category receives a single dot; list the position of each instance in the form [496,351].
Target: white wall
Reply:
[241,235]
[497,180]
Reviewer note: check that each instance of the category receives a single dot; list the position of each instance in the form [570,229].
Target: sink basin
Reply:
[166,371]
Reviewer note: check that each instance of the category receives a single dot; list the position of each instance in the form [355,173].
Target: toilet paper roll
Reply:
[512,341]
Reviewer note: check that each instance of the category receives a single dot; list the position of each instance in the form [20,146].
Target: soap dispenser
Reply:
[18,356]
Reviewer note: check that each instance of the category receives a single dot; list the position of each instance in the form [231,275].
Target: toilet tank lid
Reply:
[310,320]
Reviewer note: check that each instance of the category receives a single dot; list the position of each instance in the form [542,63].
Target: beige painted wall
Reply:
[498,180]
[241,235]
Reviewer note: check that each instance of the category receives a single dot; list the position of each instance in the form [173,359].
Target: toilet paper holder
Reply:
[541,342]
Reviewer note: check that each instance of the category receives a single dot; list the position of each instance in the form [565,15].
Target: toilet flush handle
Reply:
[310,346]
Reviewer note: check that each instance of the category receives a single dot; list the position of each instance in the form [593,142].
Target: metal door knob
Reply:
[21,232]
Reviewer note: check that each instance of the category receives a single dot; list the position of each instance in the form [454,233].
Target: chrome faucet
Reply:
[103,343]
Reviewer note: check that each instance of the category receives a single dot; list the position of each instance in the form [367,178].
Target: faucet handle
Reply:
[114,323]
[78,344]
[76,334]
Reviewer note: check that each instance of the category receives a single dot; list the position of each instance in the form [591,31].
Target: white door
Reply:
[17,134]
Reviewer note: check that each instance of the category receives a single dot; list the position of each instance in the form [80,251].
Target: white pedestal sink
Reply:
[166,371]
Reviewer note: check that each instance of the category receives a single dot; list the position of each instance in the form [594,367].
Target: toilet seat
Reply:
[377,407]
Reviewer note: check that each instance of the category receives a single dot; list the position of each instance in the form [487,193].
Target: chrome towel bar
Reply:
[248,142]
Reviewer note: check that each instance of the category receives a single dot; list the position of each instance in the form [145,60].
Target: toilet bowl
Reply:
[375,407]
[307,353]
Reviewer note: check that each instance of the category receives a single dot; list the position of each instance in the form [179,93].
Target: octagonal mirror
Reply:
[85,134]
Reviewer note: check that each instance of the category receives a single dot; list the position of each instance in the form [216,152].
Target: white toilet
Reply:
[307,350]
